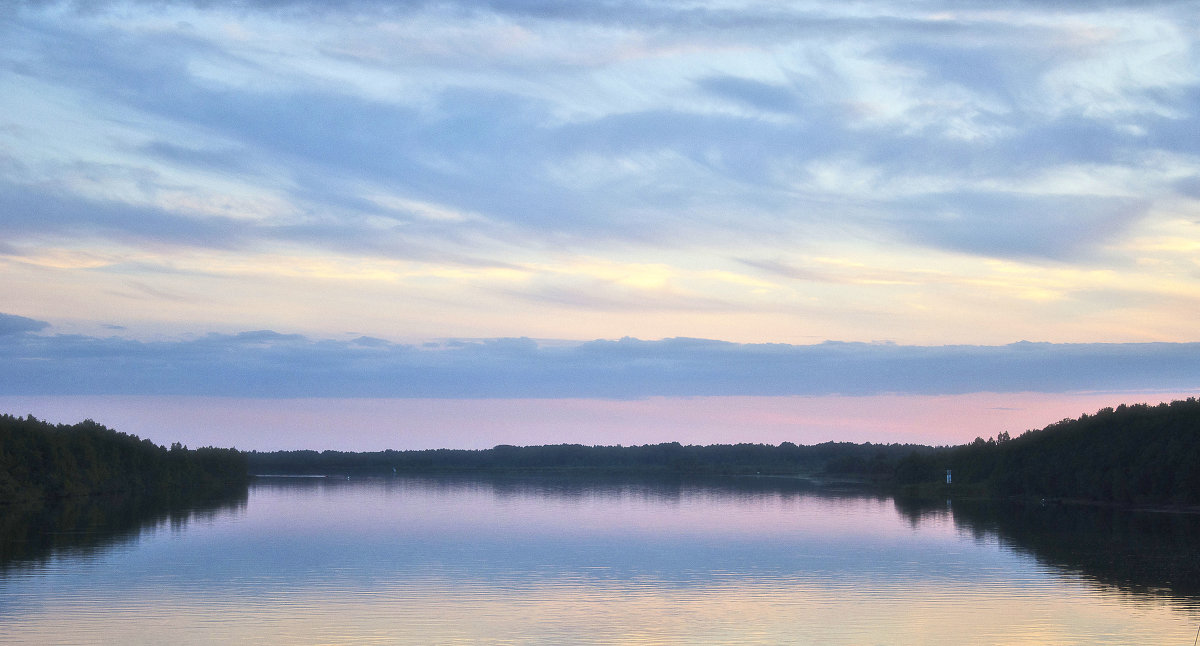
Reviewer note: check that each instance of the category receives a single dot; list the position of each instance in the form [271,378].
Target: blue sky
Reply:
[292,200]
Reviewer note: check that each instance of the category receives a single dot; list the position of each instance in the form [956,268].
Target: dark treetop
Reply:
[44,462]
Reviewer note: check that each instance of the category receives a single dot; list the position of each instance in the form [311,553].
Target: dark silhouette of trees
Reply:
[1133,454]
[45,462]
[843,460]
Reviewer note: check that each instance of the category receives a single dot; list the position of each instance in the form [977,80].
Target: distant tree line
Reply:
[831,459]
[1133,454]
[40,461]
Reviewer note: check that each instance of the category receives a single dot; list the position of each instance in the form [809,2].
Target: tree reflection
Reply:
[1135,551]
[86,526]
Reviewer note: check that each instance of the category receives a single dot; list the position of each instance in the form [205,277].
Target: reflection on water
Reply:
[547,560]
[1147,553]
[32,533]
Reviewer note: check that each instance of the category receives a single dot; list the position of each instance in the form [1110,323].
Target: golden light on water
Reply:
[589,608]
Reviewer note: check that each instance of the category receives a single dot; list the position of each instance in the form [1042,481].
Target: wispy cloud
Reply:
[911,142]
[702,116]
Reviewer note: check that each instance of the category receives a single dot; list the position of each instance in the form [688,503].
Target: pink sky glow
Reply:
[377,424]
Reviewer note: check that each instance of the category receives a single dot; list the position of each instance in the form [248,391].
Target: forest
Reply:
[841,459]
[43,462]
[1133,454]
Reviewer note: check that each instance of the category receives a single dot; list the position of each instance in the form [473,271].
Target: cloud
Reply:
[1016,225]
[907,99]
[32,211]
[756,94]
[38,213]
[13,324]
[839,151]
[212,158]
[266,363]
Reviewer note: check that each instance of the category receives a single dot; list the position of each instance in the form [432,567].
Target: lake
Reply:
[405,560]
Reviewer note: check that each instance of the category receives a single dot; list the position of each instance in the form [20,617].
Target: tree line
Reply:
[842,459]
[44,462]
[1131,454]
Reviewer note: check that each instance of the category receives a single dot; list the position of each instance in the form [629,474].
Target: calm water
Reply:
[538,561]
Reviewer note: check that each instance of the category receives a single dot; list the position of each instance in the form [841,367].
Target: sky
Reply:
[368,224]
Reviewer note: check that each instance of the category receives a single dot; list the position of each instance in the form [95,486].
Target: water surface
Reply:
[552,561]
